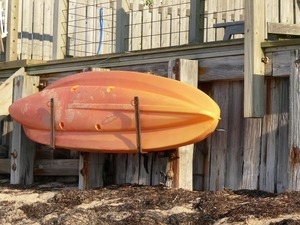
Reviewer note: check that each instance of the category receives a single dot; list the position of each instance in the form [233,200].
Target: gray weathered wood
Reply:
[254,104]
[283,28]
[251,155]
[22,149]
[234,153]
[187,72]
[90,170]
[294,124]
[218,140]
[56,167]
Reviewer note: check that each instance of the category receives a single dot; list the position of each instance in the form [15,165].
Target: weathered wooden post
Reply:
[254,95]
[22,149]
[122,31]
[181,165]
[294,124]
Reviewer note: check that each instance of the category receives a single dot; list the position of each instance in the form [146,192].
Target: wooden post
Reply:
[12,36]
[294,124]
[22,149]
[254,95]
[60,29]
[182,164]
[90,170]
[122,31]
[196,31]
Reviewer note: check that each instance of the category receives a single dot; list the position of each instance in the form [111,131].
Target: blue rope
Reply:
[101,21]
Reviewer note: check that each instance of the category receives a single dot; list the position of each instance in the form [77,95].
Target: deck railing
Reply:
[90,27]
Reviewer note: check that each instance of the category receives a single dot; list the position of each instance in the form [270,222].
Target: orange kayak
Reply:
[94,112]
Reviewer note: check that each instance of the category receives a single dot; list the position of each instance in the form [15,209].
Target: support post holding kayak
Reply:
[182,165]
[22,149]
[138,125]
[52,125]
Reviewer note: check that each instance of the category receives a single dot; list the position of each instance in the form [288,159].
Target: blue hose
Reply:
[101,21]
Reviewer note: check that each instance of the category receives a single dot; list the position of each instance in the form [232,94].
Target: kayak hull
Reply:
[95,112]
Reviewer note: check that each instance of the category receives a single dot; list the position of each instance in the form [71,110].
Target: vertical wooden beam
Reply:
[91,170]
[186,71]
[122,31]
[294,124]
[22,149]
[196,31]
[254,95]
[12,36]
[60,29]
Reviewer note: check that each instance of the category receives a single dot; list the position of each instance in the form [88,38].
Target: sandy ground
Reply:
[56,203]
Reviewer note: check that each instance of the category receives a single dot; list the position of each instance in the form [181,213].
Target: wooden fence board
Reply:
[218,140]
[294,125]
[251,153]
[234,152]
[282,144]
[286,9]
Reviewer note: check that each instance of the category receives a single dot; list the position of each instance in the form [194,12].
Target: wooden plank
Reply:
[165,24]
[206,50]
[186,71]
[218,140]
[251,153]
[281,62]
[90,170]
[120,162]
[270,129]
[146,28]
[254,67]
[37,30]
[22,149]
[159,165]
[294,124]
[272,11]
[155,24]
[26,32]
[47,30]
[212,69]
[59,29]
[282,28]
[145,169]
[199,165]
[283,132]
[6,93]
[122,26]
[234,153]
[132,169]
[12,36]
[56,167]
[286,11]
